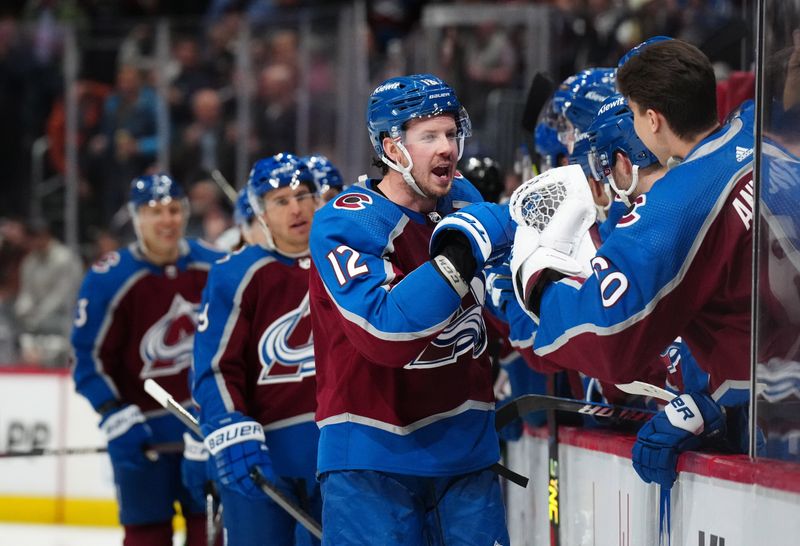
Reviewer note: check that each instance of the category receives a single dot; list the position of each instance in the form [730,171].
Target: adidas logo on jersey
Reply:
[743,153]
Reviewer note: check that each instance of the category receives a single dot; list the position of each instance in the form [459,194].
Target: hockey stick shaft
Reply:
[532,402]
[163,397]
[224,185]
[151,452]
[553,485]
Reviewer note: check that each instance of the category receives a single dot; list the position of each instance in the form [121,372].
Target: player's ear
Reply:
[654,120]
[393,152]
[624,163]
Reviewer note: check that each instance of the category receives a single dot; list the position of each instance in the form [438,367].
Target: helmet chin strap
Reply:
[404,171]
[624,194]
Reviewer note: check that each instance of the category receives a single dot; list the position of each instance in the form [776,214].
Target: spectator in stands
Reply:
[208,216]
[207,143]
[49,279]
[13,247]
[276,110]
[193,73]
[128,142]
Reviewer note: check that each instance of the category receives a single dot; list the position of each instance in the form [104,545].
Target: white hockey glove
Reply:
[554,212]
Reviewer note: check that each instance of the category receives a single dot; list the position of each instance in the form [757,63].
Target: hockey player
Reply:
[254,361]
[404,385]
[135,320]
[677,264]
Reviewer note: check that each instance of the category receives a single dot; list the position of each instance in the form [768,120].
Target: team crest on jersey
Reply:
[633,215]
[286,348]
[671,357]
[166,347]
[352,201]
[466,333]
[106,262]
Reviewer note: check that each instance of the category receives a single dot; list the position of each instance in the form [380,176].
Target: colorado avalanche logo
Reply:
[166,347]
[465,333]
[352,201]
[671,357]
[286,348]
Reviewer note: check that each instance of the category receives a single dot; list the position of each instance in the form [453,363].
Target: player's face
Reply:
[288,213]
[433,147]
[161,226]
[643,125]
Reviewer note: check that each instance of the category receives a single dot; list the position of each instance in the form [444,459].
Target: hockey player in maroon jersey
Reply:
[254,362]
[135,320]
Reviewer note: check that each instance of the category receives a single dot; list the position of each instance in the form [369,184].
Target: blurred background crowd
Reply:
[95,92]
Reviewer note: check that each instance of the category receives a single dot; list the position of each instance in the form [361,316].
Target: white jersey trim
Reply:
[408,429]
[290,421]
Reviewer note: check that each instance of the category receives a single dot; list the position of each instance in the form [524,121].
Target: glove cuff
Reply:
[235,433]
[119,422]
[194,450]
[449,272]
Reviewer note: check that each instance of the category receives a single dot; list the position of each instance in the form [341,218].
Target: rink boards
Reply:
[717,500]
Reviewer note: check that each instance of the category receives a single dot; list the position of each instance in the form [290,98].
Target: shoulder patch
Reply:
[352,201]
[106,262]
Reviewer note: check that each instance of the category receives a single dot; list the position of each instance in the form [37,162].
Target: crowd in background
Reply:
[118,111]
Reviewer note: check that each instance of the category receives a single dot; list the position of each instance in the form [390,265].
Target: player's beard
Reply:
[431,189]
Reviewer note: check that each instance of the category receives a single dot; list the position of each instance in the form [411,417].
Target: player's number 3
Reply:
[352,269]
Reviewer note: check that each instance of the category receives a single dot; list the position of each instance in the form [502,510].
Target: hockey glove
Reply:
[554,211]
[472,238]
[237,444]
[194,474]
[128,435]
[682,426]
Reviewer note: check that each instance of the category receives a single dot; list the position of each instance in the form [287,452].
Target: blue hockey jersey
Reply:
[135,320]
[254,353]
[679,263]
[404,383]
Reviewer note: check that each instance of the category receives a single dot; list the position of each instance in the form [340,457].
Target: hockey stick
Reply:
[524,405]
[224,185]
[646,389]
[151,452]
[163,397]
[553,498]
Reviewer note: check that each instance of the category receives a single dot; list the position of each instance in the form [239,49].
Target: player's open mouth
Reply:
[442,171]
[299,225]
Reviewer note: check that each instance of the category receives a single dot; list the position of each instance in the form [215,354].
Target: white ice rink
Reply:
[62,535]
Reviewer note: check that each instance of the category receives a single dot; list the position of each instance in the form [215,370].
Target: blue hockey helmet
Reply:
[326,175]
[399,100]
[243,213]
[581,155]
[577,99]
[638,49]
[279,171]
[548,146]
[151,189]
[612,131]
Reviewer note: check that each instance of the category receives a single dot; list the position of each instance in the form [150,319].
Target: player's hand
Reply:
[486,228]
[685,422]
[193,467]
[237,444]
[128,435]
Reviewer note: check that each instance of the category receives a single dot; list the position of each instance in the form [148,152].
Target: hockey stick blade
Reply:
[528,403]
[646,389]
[151,452]
[165,399]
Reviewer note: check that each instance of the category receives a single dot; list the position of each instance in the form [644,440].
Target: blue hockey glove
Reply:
[237,444]
[128,435]
[685,422]
[194,474]
[484,229]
